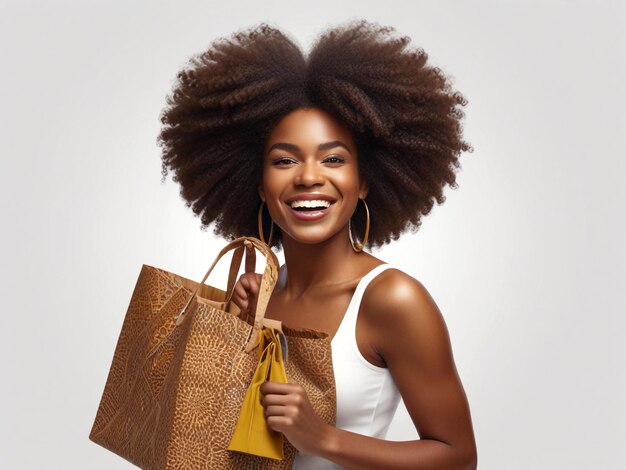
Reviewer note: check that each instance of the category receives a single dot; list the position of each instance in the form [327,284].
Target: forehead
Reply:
[309,126]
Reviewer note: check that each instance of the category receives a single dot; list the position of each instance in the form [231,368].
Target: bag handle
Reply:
[235,264]
[268,281]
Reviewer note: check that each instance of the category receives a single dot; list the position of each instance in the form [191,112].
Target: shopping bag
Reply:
[183,363]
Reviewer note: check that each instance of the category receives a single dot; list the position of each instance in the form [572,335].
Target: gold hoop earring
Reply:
[260,221]
[358,246]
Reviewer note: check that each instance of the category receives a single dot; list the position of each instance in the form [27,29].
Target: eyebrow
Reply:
[295,148]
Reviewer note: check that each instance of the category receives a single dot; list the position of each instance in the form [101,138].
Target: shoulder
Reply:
[395,292]
[403,314]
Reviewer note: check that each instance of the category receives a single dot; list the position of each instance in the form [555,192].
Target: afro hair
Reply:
[403,113]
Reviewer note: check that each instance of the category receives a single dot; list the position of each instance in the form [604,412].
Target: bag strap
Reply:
[235,264]
[268,281]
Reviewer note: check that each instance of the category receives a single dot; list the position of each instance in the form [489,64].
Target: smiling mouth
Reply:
[310,206]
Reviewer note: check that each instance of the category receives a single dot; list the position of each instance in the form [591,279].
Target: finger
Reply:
[254,282]
[250,257]
[240,291]
[242,304]
[250,282]
[275,410]
[273,399]
[278,388]
[240,300]
[279,423]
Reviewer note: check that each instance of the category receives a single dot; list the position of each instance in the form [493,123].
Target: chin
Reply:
[309,237]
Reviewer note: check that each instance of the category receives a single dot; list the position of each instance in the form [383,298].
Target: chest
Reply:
[324,311]
[321,311]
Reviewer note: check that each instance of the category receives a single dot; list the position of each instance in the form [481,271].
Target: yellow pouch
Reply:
[252,434]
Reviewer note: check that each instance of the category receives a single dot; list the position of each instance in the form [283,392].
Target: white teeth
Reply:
[312,203]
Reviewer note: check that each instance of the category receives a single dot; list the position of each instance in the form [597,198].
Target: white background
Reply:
[526,259]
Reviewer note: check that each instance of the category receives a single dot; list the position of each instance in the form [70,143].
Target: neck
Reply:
[317,265]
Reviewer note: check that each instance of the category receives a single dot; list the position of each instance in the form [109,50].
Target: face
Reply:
[311,181]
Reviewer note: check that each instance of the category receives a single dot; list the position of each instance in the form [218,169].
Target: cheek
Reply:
[348,183]
[274,185]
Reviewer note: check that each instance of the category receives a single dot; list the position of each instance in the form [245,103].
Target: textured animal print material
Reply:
[173,393]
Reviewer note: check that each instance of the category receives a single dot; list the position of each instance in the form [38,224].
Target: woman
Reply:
[356,141]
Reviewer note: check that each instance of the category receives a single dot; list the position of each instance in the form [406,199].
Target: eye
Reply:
[282,161]
[334,159]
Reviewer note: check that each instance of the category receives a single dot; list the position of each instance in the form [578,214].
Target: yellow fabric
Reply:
[252,434]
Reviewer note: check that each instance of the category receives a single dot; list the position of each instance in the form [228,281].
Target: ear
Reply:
[261,191]
[364,188]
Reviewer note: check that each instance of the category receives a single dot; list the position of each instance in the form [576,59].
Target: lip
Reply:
[310,215]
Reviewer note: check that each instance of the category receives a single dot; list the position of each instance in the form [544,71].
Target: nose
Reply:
[309,174]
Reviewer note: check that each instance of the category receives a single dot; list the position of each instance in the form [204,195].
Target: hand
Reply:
[288,410]
[247,287]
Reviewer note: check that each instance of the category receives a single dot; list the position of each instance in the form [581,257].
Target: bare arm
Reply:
[413,340]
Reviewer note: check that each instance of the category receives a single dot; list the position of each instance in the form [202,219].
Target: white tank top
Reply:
[367,396]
